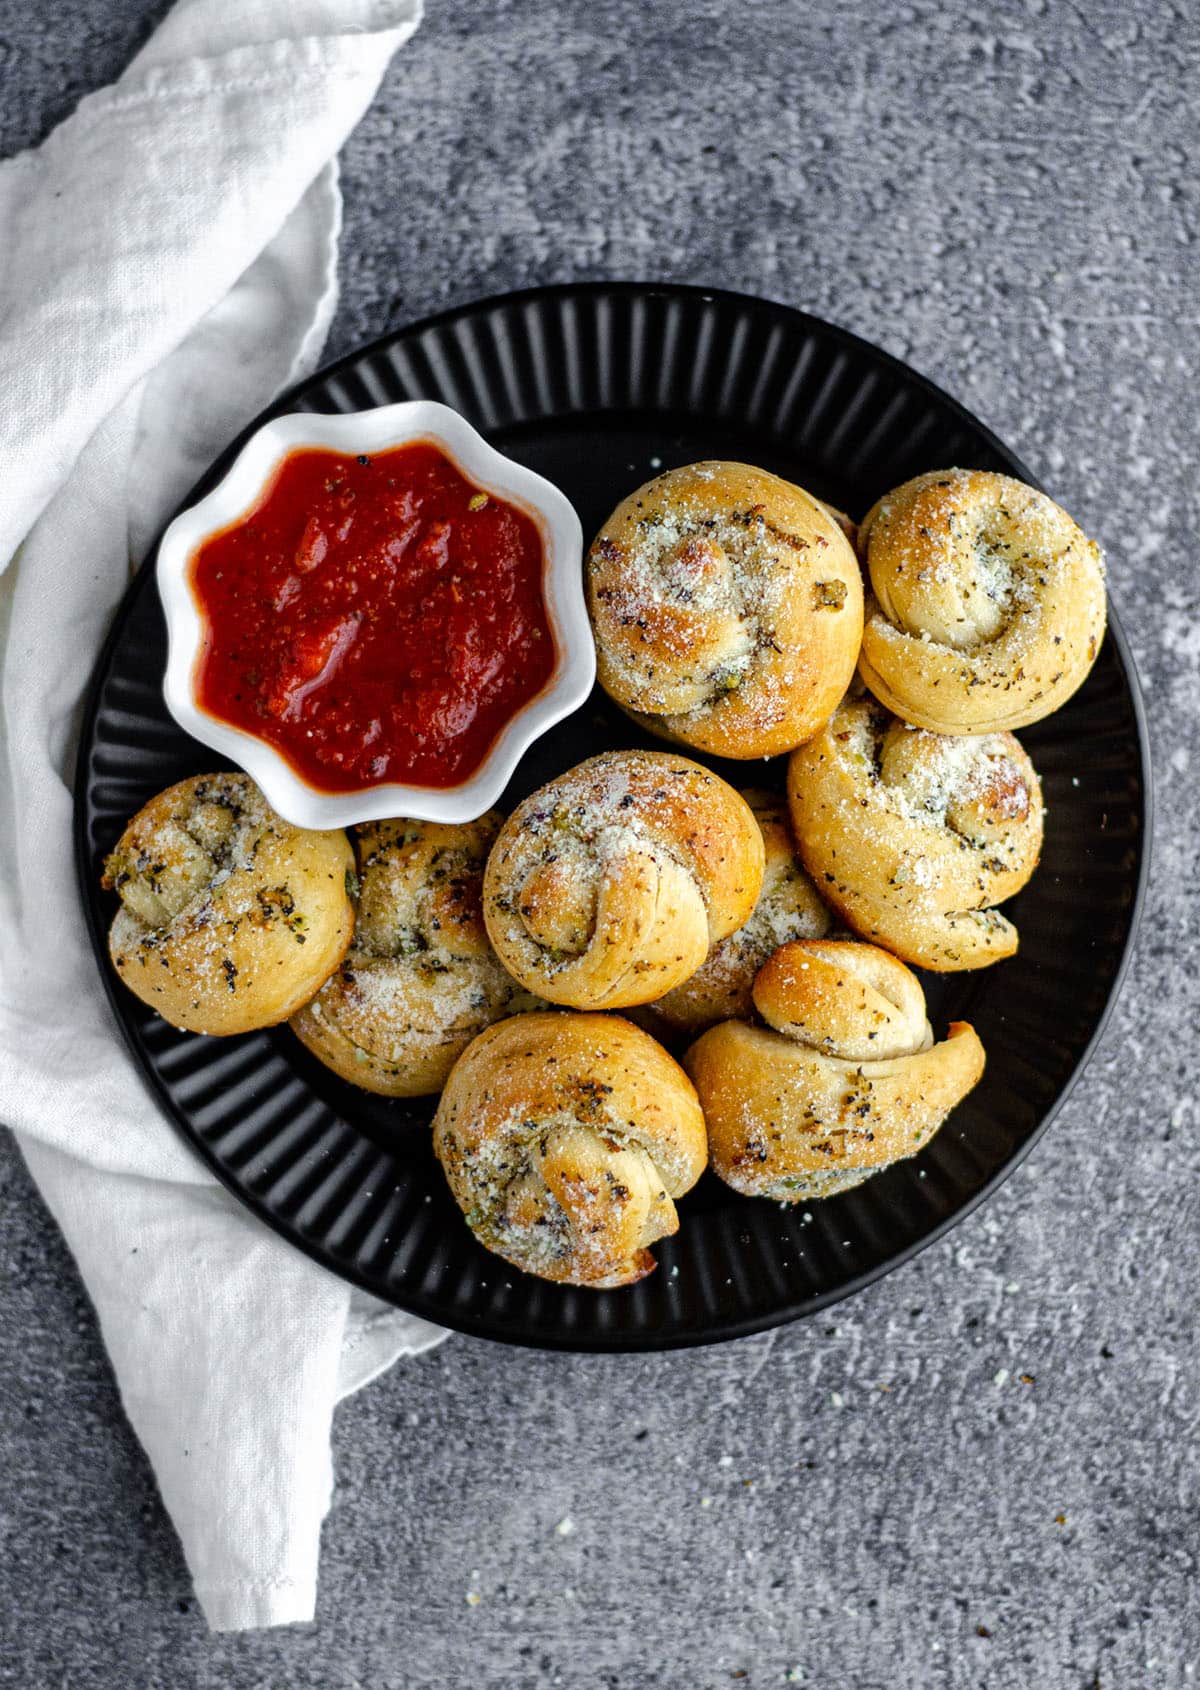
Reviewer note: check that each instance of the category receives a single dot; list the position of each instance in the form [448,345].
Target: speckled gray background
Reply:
[1004,194]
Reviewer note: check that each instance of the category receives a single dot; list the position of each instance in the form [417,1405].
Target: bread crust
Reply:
[788,907]
[804,1107]
[565,1140]
[608,886]
[914,837]
[230,917]
[420,979]
[988,602]
[727,607]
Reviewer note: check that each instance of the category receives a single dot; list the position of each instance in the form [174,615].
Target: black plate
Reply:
[596,387]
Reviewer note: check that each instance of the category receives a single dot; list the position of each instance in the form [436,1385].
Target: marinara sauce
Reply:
[375,619]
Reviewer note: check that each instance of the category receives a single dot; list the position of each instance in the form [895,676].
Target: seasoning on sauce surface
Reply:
[374,619]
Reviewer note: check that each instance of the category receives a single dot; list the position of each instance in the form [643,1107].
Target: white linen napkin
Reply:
[167,266]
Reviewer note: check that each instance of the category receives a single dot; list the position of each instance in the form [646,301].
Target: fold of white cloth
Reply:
[168,266]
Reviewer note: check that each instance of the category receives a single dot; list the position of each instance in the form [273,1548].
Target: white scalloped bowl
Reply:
[375,431]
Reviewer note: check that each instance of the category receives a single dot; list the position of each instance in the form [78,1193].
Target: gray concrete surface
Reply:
[1003,195]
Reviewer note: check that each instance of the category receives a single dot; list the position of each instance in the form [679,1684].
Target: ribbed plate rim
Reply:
[595,1342]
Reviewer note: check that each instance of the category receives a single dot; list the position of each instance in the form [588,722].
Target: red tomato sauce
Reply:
[375,619]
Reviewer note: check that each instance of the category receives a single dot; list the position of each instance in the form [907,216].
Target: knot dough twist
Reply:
[230,917]
[913,836]
[420,980]
[727,609]
[843,1081]
[565,1139]
[988,605]
[608,886]
[788,907]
